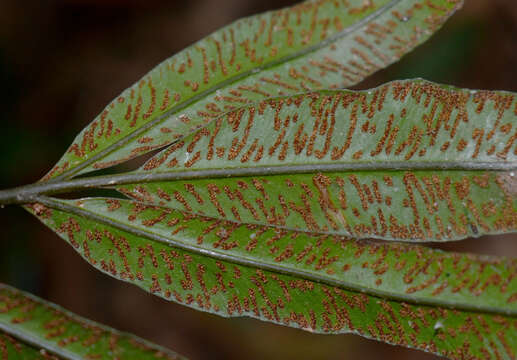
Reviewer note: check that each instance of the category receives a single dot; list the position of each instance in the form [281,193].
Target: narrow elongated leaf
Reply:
[410,160]
[317,44]
[207,281]
[36,329]
[401,272]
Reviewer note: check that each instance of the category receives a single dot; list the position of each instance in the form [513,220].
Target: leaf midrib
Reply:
[241,260]
[26,194]
[175,109]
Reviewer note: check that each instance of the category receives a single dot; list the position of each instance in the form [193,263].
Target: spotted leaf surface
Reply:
[31,328]
[410,160]
[259,211]
[281,196]
[209,282]
[398,271]
[315,45]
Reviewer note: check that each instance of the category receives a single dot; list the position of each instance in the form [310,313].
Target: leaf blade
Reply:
[400,272]
[435,164]
[43,325]
[149,116]
[229,289]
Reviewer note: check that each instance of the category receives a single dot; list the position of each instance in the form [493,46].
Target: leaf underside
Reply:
[446,174]
[31,328]
[276,190]
[217,284]
[314,45]
[410,160]
[271,194]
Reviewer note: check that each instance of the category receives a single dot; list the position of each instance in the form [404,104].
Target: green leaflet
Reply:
[231,289]
[396,271]
[314,45]
[30,322]
[410,160]
[408,205]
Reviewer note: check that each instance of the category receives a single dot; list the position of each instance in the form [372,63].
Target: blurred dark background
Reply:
[62,61]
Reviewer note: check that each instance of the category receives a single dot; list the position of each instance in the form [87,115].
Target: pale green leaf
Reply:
[410,160]
[314,45]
